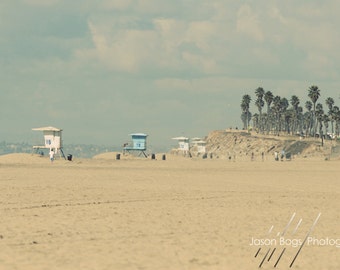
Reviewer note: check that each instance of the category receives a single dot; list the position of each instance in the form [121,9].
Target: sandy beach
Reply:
[175,214]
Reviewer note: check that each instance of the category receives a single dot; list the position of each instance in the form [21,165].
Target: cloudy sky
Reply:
[103,69]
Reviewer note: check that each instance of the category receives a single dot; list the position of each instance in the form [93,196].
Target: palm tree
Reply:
[307,120]
[255,119]
[281,117]
[309,106]
[295,101]
[300,118]
[283,108]
[319,117]
[289,117]
[268,97]
[259,92]
[259,104]
[325,120]
[336,117]
[243,118]
[277,110]
[330,103]
[314,94]
[246,99]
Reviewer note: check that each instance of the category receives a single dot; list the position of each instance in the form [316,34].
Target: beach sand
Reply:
[175,214]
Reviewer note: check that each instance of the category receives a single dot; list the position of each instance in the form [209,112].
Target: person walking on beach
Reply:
[276,155]
[282,154]
[51,155]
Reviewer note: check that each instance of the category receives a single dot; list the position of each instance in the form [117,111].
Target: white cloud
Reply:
[203,63]
[99,40]
[248,23]
[276,14]
[116,4]
[157,6]
[210,46]
[171,43]
[320,65]
[311,30]
[202,34]
[171,33]
[45,3]
[265,56]
[127,50]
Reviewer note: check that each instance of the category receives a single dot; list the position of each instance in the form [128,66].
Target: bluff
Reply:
[229,144]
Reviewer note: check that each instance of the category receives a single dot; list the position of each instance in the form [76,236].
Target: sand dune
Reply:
[180,213]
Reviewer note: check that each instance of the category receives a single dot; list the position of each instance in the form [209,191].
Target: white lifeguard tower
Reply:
[183,144]
[138,144]
[52,140]
[199,145]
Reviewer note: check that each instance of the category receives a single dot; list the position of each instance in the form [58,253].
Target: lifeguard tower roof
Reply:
[47,129]
[200,141]
[139,134]
[180,138]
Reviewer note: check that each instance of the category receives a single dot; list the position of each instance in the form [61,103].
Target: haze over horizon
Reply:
[102,70]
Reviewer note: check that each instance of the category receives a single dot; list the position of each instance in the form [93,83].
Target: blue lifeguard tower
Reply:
[138,144]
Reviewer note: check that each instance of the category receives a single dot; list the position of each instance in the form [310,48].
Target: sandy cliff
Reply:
[240,144]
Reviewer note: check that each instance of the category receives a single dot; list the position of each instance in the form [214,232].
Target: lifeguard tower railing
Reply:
[137,144]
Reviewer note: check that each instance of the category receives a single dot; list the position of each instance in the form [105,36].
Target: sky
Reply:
[104,69]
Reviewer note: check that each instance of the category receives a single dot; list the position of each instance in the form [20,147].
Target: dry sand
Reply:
[152,214]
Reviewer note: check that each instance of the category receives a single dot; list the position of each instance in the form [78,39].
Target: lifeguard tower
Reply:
[199,145]
[53,140]
[138,144]
[183,144]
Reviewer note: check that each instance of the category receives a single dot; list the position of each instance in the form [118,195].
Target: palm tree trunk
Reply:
[314,120]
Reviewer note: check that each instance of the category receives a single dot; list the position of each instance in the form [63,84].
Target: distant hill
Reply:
[8,148]
[77,150]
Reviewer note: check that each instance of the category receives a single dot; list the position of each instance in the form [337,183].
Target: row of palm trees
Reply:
[289,117]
